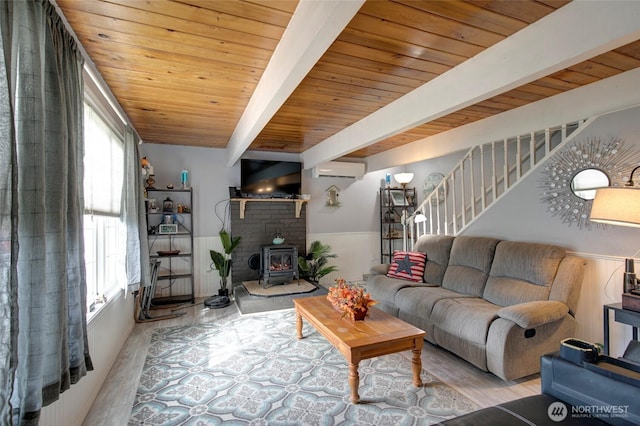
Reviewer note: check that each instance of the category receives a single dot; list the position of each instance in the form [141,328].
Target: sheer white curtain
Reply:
[43,314]
[133,216]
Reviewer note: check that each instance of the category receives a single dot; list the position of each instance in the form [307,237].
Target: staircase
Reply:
[485,174]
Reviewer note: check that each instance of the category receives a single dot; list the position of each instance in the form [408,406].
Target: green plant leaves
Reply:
[223,262]
[314,266]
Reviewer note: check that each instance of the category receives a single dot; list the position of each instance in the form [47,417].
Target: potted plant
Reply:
[314,266]
[222,262]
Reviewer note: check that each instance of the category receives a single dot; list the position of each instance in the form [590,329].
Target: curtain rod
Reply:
[95,75]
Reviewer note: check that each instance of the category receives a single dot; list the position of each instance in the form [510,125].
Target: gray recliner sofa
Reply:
[498,304]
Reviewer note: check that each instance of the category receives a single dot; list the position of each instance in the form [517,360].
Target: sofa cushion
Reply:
[522,272]
[469,264]
[380,269]
[407,265]
[421,300]
[467,318]
[416,303]
[462,325]
[438,249]
[383,288]
[568,281]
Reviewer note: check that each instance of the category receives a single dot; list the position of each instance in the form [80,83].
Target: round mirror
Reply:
[585,183]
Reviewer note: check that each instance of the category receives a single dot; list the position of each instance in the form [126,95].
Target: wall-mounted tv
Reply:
[270,179]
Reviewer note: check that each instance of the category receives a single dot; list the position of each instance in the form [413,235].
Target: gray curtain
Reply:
[133,216]
[44,297]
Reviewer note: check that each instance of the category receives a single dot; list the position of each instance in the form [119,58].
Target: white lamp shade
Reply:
[616,206]
[403,178]
[420,217]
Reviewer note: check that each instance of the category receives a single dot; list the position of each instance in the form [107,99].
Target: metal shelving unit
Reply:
[395,204]
[174,250]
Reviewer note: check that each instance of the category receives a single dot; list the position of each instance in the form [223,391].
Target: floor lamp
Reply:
[621,207]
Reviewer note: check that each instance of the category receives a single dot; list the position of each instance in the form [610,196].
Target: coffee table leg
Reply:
[416,364]
[299,325]
[354,382]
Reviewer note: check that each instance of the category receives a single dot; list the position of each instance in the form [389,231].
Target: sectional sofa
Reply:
[498,304]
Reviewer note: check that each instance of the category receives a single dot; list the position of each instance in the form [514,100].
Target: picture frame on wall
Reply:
[399,199]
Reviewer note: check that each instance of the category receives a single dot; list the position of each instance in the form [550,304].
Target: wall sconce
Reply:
[403,178]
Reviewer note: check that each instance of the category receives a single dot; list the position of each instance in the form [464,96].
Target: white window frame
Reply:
[104,231]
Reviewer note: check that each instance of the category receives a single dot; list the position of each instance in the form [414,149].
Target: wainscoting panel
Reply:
[206,281]
[356,253]
[107,333]
[602,285]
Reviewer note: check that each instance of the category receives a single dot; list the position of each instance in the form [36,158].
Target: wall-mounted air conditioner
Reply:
[339,169]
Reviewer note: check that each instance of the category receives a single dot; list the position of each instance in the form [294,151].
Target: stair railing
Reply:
[484,175]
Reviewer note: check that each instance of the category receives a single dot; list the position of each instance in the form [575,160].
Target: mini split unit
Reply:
[339,169]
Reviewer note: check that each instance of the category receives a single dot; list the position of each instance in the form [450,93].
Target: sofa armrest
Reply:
[380,269]
[534,314]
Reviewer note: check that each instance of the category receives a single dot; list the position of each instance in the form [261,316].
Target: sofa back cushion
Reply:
[522,272]
[437,249]
[469,264]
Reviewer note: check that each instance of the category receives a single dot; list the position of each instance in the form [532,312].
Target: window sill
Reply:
[99,307]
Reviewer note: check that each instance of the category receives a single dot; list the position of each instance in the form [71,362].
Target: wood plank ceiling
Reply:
[185,70]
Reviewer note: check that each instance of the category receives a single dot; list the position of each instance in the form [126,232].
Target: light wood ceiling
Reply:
[184,71]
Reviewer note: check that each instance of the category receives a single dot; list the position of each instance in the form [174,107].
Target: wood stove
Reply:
[279,265]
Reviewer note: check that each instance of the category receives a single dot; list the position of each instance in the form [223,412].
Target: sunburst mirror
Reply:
[571,177]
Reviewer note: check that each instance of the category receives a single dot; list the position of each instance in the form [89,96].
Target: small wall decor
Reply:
[167,205]
[333,194]
[430,184]
[573,174]
[398,198]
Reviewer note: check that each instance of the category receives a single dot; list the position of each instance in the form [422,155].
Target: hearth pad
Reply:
[295,287]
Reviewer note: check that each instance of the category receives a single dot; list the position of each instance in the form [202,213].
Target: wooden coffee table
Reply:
[379,334]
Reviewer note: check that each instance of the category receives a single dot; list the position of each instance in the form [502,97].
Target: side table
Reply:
[624,316]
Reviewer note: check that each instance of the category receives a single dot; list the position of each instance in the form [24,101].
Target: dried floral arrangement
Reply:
[352,301]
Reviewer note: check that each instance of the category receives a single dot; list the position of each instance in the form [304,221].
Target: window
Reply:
[103,231]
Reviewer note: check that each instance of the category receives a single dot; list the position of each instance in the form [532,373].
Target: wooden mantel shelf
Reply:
[244,201]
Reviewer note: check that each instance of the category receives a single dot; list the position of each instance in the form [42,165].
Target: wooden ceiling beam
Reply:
[578,31]
[313,28]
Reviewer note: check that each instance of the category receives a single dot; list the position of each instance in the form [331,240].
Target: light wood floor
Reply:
[113,404]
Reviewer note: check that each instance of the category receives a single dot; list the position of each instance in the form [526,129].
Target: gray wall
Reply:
[518,216]
[209,176]
[521,215]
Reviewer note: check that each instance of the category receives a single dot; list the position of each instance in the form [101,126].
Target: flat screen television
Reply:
[270,179]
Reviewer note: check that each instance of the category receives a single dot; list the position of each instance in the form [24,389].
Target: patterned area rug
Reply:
[251,370]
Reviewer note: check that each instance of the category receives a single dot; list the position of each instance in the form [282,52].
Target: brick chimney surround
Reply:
[262,221]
